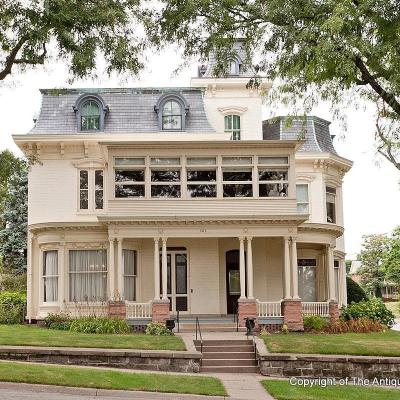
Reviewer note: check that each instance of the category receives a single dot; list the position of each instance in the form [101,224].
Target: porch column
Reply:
[164,269]
[250,294]
[331,273]
[242,270]
[111,272]
[116,305]
[286,270]
[29,297]
[156,269]
[120,271]
[295,276]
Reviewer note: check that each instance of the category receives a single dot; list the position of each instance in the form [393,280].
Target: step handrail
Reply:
[251,332]
[199,330]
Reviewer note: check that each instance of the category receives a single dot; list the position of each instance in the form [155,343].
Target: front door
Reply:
[177,280]
[232,281]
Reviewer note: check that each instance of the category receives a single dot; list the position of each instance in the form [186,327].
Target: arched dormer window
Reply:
[90,113]
[235,67]
[171,110]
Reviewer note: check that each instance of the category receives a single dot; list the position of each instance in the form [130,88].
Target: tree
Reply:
[355,293]
[391,260]
[34,31]
[13,236]
[373,251]
[335,50]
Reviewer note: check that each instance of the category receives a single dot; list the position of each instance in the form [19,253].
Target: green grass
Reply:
[365,344]
[102,379]
[283,390]
[25,335]
[393,306]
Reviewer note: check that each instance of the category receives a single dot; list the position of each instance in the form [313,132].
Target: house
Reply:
[390,291]
[146,201]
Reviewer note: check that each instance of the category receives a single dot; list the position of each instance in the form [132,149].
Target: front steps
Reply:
[235,356]
[208,324]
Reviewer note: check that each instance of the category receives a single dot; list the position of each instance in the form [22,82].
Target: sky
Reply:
[371,189]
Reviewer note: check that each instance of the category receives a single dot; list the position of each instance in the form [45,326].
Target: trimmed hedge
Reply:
[355,293]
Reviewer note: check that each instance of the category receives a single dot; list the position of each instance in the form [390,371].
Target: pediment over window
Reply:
[89,163]
[232,110]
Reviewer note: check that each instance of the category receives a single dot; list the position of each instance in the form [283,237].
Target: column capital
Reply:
[111,240]
[156,239]
[164,239]
[293,238]
[249,238]
[241,238]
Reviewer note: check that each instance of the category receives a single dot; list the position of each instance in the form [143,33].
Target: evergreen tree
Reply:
[13,235]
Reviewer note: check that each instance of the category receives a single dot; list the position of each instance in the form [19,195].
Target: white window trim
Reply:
[91,190]
[308,195]
[41,277]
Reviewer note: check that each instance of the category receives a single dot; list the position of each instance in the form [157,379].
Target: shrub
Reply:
[314,323]
[12,307]
[61,321]
[374,309]
[157,329]
[355,293]
[360,325]
[99,325]
[285,329]
[13,283]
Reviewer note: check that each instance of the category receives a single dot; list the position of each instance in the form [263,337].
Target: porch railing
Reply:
[269,309]
[138,310]
[87,309]
[320,308]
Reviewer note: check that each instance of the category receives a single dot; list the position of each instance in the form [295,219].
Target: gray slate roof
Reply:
[314,130]
[131,110]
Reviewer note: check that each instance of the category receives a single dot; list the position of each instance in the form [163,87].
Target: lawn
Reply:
[25,335]
[393,306]
[365,344]
[102,379]
[283,390]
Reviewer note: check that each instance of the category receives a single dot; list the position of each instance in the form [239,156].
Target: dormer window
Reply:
[90,111]
[90,116]
[172,116]
[171,109]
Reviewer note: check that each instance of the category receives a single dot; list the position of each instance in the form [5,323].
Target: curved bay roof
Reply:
[130,110]
[314,130]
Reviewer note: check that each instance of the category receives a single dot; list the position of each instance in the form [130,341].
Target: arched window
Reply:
[232,125]
[172,115]
[90,116]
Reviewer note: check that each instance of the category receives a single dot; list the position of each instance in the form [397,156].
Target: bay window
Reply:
[307,278]
[273,176]
[165,177]
[129,177]
[50,276]
[87,275]
[130,274]
[331,205]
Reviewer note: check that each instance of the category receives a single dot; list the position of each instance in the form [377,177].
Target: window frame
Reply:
[159,109]
[44,277]
[201,167]
[308,198]
[333,193]
[301,268]
[234,132]
[134,276]
[91,189]
[80,103]
[129,167]
[273,166]
[166,167]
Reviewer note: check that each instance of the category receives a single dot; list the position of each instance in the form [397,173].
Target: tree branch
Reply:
[388,154]
[10,60]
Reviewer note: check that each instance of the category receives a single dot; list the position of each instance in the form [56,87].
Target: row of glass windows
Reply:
[200,177]
[87,275]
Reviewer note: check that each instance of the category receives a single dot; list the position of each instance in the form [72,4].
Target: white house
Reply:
[183,198]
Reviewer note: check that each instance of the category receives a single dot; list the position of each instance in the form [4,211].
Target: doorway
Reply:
[232,280]
[177,279]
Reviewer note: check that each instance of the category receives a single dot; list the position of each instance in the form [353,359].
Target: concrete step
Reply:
[229,362]
[233,348]
[230,355]
[221,342]
[210,328]
[232,369]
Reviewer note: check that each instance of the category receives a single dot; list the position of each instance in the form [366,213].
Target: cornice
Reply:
[332,229]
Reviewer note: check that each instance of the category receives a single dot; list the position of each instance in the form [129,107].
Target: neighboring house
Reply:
[390,291]
[183,199]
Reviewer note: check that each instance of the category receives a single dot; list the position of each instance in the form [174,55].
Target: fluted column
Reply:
[295,276]
[250,283]
[286,269]
[164,269]
[156,269]
[242,269]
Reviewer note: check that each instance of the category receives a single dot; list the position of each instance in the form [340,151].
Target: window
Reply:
[331,205]
[50,276]
[201,179]
[336,269]
[273,176]
[130,274]
[237,176]
[307,278]
[302,199]
[172,116]
[165,177]
[130,177]
[90,116]
[91,189]
[83,190]
[232,125]
[87,275]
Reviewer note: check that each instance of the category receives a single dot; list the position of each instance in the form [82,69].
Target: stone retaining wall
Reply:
[303,365]
[161,360]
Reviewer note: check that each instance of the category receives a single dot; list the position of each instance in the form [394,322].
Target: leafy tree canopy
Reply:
[334,50]
[391,260]
[34,31]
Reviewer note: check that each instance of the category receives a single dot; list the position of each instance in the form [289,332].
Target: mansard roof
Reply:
[129,110]
[314,130]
